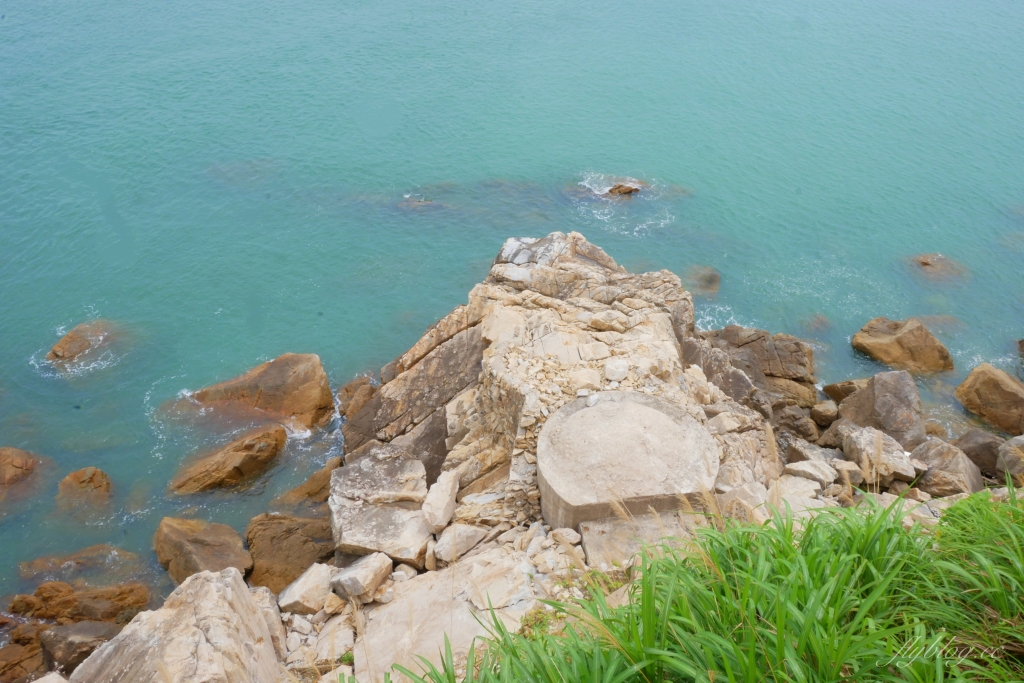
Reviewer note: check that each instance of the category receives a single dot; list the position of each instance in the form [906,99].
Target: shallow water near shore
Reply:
[229,182]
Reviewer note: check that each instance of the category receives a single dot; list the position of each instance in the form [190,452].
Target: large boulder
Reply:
[89,486]
[891,403]
[982,448]
[455,603]
[209,629]
[375,506]
[583,474]
[778,355]
[881,458]
[81,338]
[65,647]
[904,344]
[949,471]
[292,387]
[238,462]
[283,547]
[1011,459]
[63,603]
[994,396]
[188,546]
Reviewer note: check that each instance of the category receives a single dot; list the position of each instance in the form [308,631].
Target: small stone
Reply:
[358,581]
[847,472]
[566,536]
[585,379]
[333,604]
[616,369]
[300,625]
[918,495]
[293,642]
[403,572]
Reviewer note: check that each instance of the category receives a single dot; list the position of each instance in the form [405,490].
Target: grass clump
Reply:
[848,595]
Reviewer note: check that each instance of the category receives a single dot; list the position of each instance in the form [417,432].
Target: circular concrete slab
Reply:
[628,449]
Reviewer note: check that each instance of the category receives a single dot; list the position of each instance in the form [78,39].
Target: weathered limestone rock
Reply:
[903,344]
[825,413]
[789,486]
[293,387]
[316,489]
[336,638]
[615,543]
[982,448]
[439,505]
[847,472]
[65,647]
[880,457]
[89,486]
[61,602]
[803,393]
[839,391]
[799,450]
[238,462]
[584,471]
[457,540]
[187,546]
[1011,459]
[452,602]
[359,580]
[267,603]
[891,403]
[283,547]
[949,471]
[994,396]
[747,503]
[84,336]
[52,677]
[375,506]
[815,470]
[209,629]
[832,438]
[308,593]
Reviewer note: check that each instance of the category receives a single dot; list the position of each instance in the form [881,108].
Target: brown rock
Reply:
[95,557]
[350,390]
[17,662]
[1020,347]
[65,647]
[994,396]
[1010,460]
[779,355]
[187,546]
[949,471]
[18,473]
[794,419]
[825,413]
[283,547]
[891,403]
[61,602]
[982,448]
[937,267]
[316,489]
[87,486]
[237,463]
[803,393]
[622,190]
[840,390]
[903,344]
[293,386]
[80,339]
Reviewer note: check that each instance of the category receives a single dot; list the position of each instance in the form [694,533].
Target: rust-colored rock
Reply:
[937,267]
[187,546]
[348,392]
[88,486]
[622,190]
[237,463]
[87,335]
[283,547]
[293,387]
[903,344]
[840,390]
[18,473]
[994,396]
[17,662]
[61,602]
[316,489]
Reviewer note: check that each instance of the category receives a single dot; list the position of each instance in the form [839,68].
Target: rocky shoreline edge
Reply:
[569,413]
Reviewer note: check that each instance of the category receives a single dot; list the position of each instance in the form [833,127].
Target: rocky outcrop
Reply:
[903,344]
[64,604]
[982,448]
[994,396]
[81,338]
[65,647]
[89,486]
[283,547]
[891,403]
[781,355]
[347,394]
[292,388]
[949,471]
[209,629]
[21,658]
[188,546]
[237,463]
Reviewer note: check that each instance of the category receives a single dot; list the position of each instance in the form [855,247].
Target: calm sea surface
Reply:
[230,181]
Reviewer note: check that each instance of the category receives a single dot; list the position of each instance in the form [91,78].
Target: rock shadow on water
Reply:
[703,281]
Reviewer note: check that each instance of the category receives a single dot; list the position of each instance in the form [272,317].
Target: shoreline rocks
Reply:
[19,475]
[995,397]
[903,344]
[189,546]
[81,339]
[234,464]
[283,547]
[891,403]
[89,486]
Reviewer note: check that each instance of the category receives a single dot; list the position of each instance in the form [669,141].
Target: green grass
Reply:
[851,595]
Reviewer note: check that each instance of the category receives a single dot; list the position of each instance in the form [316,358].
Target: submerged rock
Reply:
[283,547]
[63,603]
[293,387]
[903,344]
[994,396]
[209,629]
[937,267]
[188,546]
[622,190]
[704,280]
[19,474]
[237,463]
[82,338]
[96,558]
[89,486]
[890,402]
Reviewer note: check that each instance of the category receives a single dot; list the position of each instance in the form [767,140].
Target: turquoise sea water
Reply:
[230,181]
